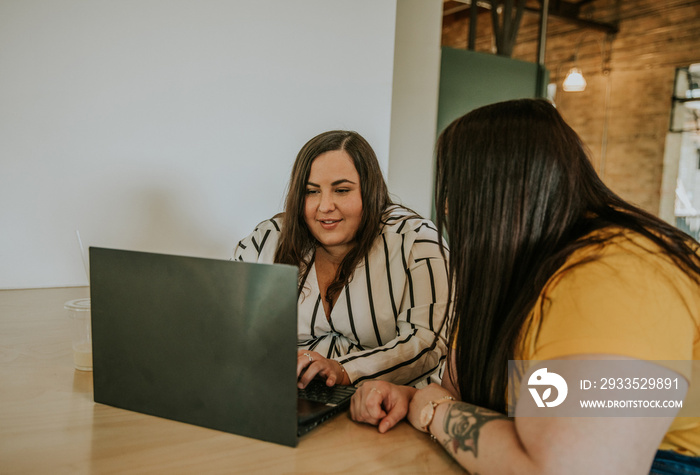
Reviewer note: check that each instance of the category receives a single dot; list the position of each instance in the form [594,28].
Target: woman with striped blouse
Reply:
[372,278]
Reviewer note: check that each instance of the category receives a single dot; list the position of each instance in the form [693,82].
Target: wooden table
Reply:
[50,424]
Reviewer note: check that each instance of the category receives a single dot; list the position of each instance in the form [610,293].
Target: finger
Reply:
[385,425]
[326,372]
[375,402]
[355,407]
[301,365]
[332,374]
[396,413]
[358,413]
[311,371]
[304,359]
[359,409]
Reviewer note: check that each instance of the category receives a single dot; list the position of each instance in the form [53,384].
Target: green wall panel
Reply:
[469,79]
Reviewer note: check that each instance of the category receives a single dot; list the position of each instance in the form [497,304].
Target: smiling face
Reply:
[333,204]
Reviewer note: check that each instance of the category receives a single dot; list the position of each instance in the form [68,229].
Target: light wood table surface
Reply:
[49,423]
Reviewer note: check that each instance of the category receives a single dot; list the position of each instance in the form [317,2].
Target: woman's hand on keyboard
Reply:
[311,364]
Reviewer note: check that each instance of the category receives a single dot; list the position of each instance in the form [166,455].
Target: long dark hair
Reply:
[517,194]
[296,241]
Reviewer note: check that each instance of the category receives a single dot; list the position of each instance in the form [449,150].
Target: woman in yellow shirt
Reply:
[548,264]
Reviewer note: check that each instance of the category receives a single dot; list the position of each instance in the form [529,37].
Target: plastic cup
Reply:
[79,311]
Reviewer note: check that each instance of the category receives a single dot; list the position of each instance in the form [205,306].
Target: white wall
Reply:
[672,155]
[171,125]
[415,102]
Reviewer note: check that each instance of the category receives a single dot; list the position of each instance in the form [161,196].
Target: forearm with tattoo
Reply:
[463,422]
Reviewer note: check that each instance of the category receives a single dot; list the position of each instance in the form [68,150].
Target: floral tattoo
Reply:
[463,423]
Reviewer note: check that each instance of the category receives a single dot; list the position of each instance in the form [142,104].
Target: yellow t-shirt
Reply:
[631,300]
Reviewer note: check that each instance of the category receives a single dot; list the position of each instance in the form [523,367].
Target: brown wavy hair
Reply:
[296,244]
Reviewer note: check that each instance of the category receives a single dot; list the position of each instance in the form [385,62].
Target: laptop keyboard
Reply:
[317,391]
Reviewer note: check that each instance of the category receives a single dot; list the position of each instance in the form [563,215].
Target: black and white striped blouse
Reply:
[388,321]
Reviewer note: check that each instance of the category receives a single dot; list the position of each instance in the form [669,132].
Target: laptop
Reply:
[203,341]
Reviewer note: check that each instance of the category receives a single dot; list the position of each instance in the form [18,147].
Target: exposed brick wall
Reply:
[623,115]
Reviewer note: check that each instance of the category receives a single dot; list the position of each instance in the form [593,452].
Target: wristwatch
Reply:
[428,412]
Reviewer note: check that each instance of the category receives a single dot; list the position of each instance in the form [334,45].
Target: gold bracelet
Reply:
[342,370]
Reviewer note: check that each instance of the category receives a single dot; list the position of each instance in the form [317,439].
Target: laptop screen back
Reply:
[203,341]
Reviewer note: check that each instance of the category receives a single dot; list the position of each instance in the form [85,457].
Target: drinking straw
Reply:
[82,256]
